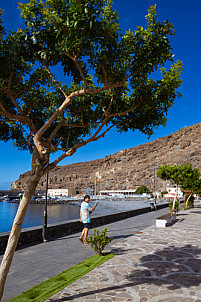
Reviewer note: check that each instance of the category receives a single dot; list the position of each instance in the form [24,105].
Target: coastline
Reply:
[61,211]
[93,200]
[33,235]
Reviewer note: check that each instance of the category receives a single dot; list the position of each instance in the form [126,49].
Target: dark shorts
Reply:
[87,225]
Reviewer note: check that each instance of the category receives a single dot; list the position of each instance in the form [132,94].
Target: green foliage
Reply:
[70,75]
[142,189]
[184,176]
[176,207]
[163,193]
[170,173]
[190,180]
[99,241]
[187,178]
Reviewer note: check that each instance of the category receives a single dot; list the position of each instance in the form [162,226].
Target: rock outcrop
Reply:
[129,168]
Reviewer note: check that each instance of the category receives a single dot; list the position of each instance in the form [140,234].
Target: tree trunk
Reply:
[173,206]
[16,228]
[188,199]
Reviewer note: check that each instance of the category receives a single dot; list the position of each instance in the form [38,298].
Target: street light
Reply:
[95,184]
[45,213]
[155,187]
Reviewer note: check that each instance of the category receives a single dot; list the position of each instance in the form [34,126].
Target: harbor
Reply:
[64,208]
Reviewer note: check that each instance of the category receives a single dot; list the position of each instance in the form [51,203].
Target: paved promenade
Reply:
[154,264]
[37,263]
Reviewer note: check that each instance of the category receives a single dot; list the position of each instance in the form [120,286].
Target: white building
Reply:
[58,192]
[172,192]
[117,192]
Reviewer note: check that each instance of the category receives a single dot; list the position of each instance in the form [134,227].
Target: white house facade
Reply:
[58,192]
[172,192]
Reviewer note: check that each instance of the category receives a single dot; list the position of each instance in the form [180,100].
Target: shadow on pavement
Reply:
[121,236]
[196,212]
[172,267]
[178,266]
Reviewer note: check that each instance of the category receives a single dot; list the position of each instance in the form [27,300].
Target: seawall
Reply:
[33,235]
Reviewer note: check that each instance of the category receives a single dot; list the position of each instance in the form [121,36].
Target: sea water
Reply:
[57,213]
[35,213]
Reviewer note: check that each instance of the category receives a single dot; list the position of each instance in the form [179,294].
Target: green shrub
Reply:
[142,189]
[99,241]
[190,201]
[177,208]
[163,193]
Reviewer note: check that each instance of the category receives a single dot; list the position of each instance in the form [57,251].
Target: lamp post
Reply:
[45,213]
[155,186]
[95,185]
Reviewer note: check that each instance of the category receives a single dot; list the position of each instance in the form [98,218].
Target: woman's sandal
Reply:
[81,240]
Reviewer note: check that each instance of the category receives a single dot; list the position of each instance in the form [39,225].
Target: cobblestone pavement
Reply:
[157,264]
[34,264]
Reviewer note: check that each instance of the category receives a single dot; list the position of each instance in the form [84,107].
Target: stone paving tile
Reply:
[68,250]
[156,265]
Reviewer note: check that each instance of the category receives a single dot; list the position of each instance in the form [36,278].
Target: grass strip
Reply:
[48,288]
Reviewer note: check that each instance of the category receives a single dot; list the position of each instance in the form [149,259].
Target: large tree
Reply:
[172,173]
[186,177]
[190,180]
[70,75]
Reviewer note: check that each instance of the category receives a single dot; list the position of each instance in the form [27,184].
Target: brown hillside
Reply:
[129,168]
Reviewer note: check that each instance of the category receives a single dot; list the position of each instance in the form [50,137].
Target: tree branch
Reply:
[2,107]
[68,125]
[75,60]
[57,112]
[54,80]
[80,126]
[28,137]
[18,118]
[15,103]
[9,94]
[96,135]
[67,141]
[106,87]
[50,138]
[71,151]
[68,100]
[105,74]
[26,89]
[58,149]
[106,112]
[60,139]
[10,79]
[126,111]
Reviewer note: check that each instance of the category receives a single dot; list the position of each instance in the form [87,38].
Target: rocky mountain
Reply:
[129,168]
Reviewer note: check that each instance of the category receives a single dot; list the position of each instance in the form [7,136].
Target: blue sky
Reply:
[185,15]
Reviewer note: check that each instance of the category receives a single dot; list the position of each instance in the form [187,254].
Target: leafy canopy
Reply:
[70,75]
[190,180]
[184,176]
[170,173]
